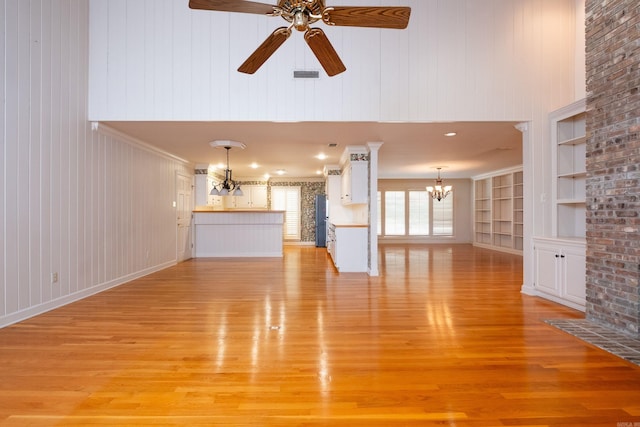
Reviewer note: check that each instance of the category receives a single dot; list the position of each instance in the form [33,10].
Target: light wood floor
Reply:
[442,337]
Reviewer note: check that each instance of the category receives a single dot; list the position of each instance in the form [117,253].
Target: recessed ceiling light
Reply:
[254,165]
[318,172]
[450,134]
[321,156]
[281,171]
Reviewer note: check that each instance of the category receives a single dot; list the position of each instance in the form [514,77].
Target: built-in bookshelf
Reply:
[560,259]
[482,213]
[568,140]
[502,212]
[498,211]
[518,211]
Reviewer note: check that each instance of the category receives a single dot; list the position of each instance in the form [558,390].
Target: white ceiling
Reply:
[409,150]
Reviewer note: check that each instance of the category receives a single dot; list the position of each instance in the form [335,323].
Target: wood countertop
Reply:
[237,211]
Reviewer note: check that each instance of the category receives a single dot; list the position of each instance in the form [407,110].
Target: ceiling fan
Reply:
[301,14]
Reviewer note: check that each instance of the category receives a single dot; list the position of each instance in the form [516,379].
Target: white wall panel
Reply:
[136,71]
[3,149]
[116,53]
[92,206]
[457,60]
[11,212]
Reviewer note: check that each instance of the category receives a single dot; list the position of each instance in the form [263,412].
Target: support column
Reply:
[373,207]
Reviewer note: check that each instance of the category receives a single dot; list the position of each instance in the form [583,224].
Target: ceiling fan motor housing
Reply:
[301,13]
[314,7]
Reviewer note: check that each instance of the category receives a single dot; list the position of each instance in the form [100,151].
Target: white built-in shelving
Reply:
[498,211]
[560,259]
[568,141]
[518,211]
[482,213]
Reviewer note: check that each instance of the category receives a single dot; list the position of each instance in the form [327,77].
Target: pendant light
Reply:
[228,187]
[439,192]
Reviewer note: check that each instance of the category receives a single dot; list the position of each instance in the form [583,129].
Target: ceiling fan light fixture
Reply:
[300,20]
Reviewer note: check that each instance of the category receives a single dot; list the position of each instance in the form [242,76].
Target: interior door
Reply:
[184,210]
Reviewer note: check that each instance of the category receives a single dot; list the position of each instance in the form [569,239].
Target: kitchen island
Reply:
[238,233]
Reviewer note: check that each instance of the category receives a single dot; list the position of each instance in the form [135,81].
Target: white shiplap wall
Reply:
[457,60]
[92,206]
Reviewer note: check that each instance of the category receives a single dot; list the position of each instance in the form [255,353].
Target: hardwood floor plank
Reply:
[442,337]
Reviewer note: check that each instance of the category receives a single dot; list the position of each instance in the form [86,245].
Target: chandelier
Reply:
[228,186]
[439,192]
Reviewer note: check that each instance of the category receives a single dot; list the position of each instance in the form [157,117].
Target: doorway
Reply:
[184,214]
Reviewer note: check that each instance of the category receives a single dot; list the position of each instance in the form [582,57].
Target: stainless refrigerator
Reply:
[321,221]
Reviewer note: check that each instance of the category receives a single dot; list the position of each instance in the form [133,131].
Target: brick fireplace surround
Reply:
[613,164]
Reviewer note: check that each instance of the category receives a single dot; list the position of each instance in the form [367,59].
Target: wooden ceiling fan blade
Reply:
[265,50]
[378,17]
[232,6]
[324,51]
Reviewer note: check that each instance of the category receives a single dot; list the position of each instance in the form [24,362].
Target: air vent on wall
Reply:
[305,74]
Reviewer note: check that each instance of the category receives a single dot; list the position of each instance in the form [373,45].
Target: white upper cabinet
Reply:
[253,197]
[354,183]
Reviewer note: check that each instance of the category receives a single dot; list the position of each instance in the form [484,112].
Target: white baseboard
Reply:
[21,315]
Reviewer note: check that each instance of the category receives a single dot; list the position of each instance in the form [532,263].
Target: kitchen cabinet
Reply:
[347,245]
[354,184]
[559,271]
[253,197]
[337,212]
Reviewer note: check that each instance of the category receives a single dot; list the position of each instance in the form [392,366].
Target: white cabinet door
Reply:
[244,201]
[560,271]
[546,269]
[355,184]
[574,274]
[345,189]
[259,197]
[253,197]
[350,249]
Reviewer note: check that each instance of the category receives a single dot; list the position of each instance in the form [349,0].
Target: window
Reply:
[394,221]
[418,213]
[443,216]
[414,213]
[287,199]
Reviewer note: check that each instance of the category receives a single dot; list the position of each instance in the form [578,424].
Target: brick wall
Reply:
[613,163]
